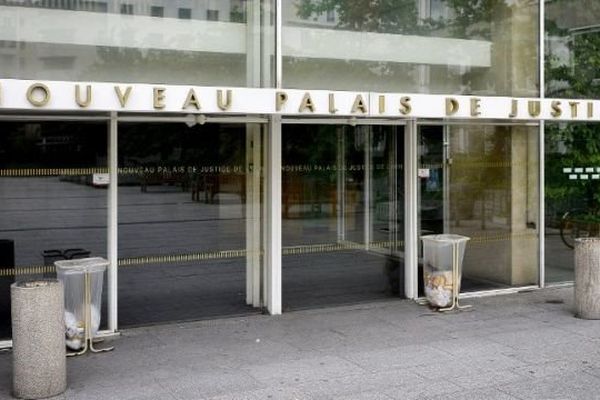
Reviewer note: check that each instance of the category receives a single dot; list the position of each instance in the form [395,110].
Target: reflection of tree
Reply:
[466,18]
[572,145]
[386,16]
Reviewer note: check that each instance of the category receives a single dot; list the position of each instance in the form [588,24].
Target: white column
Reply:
[411,239]
[112,224]
[273,216]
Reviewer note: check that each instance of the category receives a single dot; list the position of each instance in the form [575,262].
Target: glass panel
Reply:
[482,182]
[53,203]
[572,42]
[343,191]
[204,43]
[572,191]
[186,197]
[419,46]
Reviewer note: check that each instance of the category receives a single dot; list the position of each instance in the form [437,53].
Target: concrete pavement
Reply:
[520,346]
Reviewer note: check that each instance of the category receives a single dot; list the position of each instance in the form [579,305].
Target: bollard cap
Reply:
[587,240]
[35,284]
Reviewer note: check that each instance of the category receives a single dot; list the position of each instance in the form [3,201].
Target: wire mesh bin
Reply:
[442,269]
[83,279]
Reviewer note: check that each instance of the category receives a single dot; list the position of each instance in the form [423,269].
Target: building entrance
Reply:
[189,221]
[482,181]
[342,213]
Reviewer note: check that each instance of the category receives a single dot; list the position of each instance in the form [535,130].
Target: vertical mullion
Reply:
[256,212]
[541,161]
[273,216]
[542,207]
[278,44]
[250,216]
[411,263]
[367,198]
[112,223]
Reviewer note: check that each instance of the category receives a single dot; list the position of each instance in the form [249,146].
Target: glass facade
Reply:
[185,199]
[417,46]
[52,200]
[572,193]
[482,182]
[342,214]
[193,205]
[199,42]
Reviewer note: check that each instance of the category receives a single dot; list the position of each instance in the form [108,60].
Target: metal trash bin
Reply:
[442,268]
[73,274]
[39,360]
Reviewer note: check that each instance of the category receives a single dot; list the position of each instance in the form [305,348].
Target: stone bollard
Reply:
[39,356]
[587,278]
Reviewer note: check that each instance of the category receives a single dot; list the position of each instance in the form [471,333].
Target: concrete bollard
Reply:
[39,356]
[587,278]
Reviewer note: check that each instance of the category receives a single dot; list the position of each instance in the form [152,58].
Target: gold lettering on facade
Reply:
[123,97]
[590,109]
[38,88]
[405,107]
[359,105]
[475,107]
[306,103]
[451,106]
[573,105]
[514,111]
[88,96]
[280,100]
[534,108]
[332,109]
[224,106]
[556,110]
[158,94]
[381,104]
[191,100]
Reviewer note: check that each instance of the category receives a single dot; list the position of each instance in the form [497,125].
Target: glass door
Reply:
[482,181]
[53,200]
[342,214]
[189,221]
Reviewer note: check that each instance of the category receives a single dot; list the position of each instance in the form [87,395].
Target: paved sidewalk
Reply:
[524,346]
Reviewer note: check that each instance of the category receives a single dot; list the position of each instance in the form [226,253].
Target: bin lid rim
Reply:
[91,264]
[446,238]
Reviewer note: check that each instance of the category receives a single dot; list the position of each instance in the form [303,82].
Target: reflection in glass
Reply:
[572,193]
[342,206]
[571,186]
[482,182]
[466,47]
[572,42]
[187,196]
[51,201]
[198,42]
